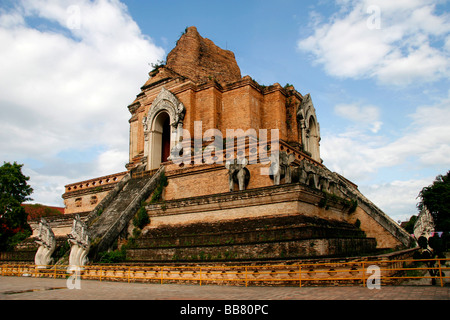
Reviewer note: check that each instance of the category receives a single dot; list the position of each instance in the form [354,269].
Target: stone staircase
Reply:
[251,239]
[105,226]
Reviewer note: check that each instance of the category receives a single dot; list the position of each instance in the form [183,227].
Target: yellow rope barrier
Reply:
[246,275]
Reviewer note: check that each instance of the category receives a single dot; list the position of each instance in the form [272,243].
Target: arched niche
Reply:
[162,127]
[309,128]
[313,138]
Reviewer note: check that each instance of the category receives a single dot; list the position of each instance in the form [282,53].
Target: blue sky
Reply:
[377,70]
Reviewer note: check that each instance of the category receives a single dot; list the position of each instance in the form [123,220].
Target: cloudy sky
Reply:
[377,70]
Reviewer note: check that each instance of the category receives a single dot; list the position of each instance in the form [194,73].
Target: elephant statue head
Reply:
[280,167]
[237,172]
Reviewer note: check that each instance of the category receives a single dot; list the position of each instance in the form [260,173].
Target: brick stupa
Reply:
[300,210]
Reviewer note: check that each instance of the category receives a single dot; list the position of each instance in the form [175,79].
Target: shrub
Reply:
[159,189]
[112,256]
[141,219]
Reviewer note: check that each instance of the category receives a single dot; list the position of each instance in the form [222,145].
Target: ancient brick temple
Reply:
[244,175]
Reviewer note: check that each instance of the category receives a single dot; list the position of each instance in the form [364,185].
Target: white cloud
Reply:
[395,45]
[424,146]
[397,198]
[347,154]
[67,90]
[361,115]
[423,64]
[426,140]
[112,161]
[46,189]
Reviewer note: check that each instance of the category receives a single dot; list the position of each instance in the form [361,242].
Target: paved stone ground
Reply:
[171,301]
[24,288]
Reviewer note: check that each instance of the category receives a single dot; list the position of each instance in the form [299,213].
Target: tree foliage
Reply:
[436,198]
[14,190]
[409,227]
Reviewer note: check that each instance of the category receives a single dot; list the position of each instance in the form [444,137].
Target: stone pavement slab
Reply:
[178,301]
[26,288]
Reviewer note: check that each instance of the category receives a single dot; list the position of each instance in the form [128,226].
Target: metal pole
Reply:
[246,276]
[363,274]
[300,275]
[440,273]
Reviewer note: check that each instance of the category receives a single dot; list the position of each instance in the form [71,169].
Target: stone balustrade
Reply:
[84,196]
[95,183]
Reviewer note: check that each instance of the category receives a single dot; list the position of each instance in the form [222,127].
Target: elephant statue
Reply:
[308,174]
[280,167]
[237,172]
[324,180]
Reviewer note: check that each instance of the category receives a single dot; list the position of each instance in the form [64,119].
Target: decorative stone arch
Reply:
[309,127]
[313,137]
[165,107]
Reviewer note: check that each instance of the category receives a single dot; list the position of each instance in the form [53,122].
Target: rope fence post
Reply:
[363,274]
[300,275]
[246,276]
[440,273]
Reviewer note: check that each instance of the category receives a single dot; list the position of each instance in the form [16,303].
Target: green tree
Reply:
[409,227]
[14,190]
[436,198]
